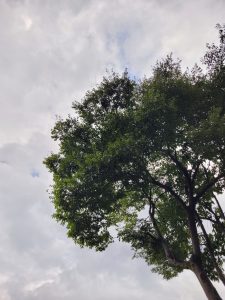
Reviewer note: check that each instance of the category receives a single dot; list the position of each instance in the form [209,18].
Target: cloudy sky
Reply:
[51,52]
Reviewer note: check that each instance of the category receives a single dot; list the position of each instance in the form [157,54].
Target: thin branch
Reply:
[169,189]
[180,166]
[209,219]
[167,250]
[216,221]
[208,186]
[219,206]
[210,249]
[196,171]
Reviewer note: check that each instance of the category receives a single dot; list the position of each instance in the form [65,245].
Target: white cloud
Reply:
[51,53]
[27,22]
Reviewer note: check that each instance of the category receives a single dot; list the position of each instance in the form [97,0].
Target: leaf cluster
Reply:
[136,155]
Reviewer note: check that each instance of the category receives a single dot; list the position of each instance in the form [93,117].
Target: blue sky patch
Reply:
[35,173]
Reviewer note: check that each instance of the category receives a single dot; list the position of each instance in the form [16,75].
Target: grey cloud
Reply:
[53,51]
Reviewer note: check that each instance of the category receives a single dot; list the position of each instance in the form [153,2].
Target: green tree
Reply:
[147,158]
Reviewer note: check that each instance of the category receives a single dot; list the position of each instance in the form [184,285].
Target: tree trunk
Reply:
[210,291]
[196,263]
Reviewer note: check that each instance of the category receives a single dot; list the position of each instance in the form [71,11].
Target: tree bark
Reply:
[196,262]
[210,291]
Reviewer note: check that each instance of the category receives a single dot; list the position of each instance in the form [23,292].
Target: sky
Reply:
[51,53]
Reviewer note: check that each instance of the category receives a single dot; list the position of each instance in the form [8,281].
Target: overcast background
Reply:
[51,52]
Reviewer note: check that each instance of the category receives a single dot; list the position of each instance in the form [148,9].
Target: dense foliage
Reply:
[147,158]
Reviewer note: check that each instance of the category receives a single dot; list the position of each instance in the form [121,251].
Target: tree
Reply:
[147,158]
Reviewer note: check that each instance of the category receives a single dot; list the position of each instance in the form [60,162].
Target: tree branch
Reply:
[196,171]
[219,206]
[167,250]
[208,186]
[210,248]
[216,221]
[180,166]
[168,189]
[194,232]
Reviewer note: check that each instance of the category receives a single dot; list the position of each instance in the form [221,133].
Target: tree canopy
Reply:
[146,159]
